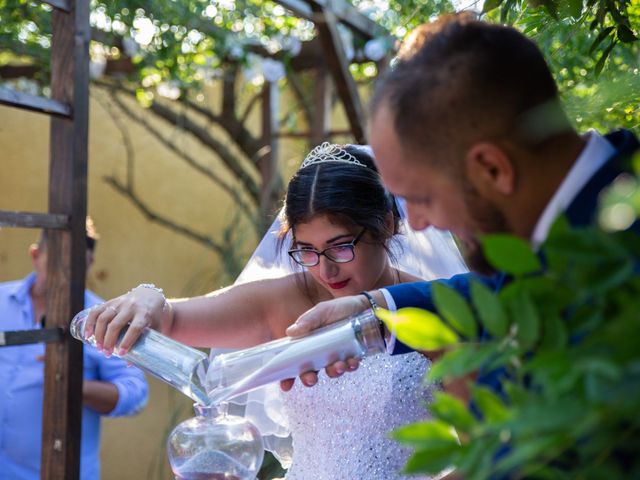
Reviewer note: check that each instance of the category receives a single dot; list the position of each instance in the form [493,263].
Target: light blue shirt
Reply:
[22,388]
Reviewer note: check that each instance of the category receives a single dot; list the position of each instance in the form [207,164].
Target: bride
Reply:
[339,225]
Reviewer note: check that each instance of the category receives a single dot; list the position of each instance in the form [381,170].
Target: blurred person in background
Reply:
[110,388]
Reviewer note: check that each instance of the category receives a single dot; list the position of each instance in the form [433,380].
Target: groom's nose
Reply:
[417,220]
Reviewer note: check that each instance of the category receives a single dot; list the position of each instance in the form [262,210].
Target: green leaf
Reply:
[452,411]
[603,58]
[490,5]
[527,451]
[464,359]
[554,333]
[510,254]
[625,34]
[430,434]
[455,310]
[550,5]
[477,458]
[526,318]
[575,8]
[490,405]
[432,460]
[505,10]
[489,309]
[601,367]
[604,33]
[418,328]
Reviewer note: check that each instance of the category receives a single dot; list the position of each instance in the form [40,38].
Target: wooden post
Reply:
[62,410]
[321,119]
[268,163]
[327,27]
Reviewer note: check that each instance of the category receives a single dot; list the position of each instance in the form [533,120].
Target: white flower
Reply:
[253,70]
[375,49]
[169,90]
[273,70]
[97,67]
[292,44]
[130,46]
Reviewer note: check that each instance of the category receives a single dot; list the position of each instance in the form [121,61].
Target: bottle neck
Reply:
[210,411]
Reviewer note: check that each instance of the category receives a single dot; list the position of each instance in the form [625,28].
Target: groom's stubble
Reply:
[487,219]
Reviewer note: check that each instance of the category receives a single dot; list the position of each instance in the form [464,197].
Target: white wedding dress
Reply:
[340,427]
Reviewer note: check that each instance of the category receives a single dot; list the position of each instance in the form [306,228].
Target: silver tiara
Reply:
[329,152]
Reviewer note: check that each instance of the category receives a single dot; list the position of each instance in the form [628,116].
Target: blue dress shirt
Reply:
[22,380]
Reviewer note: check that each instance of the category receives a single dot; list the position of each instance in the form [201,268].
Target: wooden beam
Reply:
[332,133]
[59,4]
[62,409]
[347,14]
[33,220]
[35,103]
[339,67]
[344,11]
[25,337]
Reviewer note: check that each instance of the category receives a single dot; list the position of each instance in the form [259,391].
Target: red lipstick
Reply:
[339,285]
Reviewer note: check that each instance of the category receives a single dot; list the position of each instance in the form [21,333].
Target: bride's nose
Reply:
[328,269]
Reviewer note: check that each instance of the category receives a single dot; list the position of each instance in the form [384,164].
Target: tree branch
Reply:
[205,240]
[298,91]
[249,107]
[235,129]
[229,189]
[172,117]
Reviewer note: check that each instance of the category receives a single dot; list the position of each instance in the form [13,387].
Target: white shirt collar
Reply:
[594,155]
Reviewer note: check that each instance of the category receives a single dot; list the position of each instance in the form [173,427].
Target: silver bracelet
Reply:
[152,287]
[372,302]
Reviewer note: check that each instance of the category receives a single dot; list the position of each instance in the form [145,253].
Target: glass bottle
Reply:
[239,372]
[180,366]
[215,446]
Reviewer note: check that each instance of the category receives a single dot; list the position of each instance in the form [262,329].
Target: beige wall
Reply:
[132,249]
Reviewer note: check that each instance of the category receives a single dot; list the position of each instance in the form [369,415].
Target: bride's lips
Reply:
[339,285]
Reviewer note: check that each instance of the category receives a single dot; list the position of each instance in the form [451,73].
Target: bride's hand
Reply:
[325,313]
[140,308]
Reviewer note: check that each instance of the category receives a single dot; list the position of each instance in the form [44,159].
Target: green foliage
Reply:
[424,329]
[566,340]
[592,45]
[454,310]
[592,50]
[510,254]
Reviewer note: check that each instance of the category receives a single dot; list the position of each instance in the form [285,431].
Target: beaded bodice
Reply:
[340,427]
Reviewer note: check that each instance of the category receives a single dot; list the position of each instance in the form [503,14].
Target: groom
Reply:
[468,128]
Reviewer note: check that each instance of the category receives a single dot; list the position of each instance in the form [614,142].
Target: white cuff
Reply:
[391,306]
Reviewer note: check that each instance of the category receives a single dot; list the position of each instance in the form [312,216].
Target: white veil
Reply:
[428,254]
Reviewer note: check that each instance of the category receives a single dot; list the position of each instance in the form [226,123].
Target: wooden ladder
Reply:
[65,222]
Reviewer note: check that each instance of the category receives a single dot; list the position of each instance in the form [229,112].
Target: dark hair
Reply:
[347,193]
[460,80]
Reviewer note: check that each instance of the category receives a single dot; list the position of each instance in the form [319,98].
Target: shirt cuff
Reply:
[132,397]
[391,306]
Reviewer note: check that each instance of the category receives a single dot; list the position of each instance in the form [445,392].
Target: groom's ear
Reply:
[490,170]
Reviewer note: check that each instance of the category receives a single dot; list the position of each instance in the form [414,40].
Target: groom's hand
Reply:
[326,313]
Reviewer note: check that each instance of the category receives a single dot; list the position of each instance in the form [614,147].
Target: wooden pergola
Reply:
[67,204]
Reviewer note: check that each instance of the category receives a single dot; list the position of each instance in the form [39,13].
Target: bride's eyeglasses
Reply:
[343,253]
